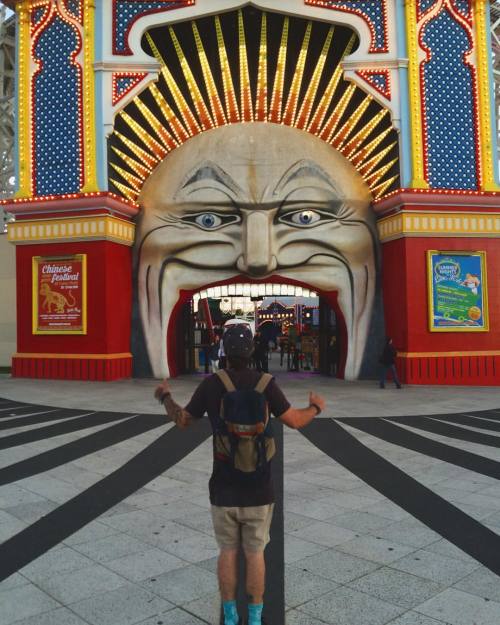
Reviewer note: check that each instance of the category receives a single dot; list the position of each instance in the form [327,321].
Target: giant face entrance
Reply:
[296,329]
[253,160]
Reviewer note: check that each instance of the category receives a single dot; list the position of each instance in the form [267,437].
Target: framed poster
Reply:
[60,294]
[458,291]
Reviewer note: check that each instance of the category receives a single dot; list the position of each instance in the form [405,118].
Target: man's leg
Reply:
[383,374]
[395,376]
[227,571]
[256,573]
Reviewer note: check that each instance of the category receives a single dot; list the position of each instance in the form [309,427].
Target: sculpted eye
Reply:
[302,218]
[210,221]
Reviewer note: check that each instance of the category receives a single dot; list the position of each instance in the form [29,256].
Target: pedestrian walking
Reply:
[214,353]
[238,402]
[260,355]
[388,363]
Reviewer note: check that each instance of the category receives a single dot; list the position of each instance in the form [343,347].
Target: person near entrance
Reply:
[237,401]
[260,355]
[388,363]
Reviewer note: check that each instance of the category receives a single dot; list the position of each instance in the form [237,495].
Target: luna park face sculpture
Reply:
[253,201]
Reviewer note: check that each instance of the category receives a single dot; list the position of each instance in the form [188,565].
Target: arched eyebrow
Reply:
[208,170]
[304,169]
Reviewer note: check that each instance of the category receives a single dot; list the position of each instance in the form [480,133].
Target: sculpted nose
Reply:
[257,258]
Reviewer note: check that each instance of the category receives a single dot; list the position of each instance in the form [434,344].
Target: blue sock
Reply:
[255,613]
[230,613]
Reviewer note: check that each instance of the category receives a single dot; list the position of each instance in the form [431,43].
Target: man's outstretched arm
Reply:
[175,413]
[297,418]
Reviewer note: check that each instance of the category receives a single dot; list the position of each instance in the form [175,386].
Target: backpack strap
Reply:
[263,382]
[226,380]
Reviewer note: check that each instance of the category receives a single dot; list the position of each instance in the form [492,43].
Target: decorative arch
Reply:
[252,66]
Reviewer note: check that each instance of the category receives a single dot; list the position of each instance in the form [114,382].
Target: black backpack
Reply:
[244,437]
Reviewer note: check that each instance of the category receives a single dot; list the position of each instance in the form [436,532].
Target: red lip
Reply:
[174,338]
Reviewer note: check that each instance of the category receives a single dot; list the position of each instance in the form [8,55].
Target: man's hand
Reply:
[162,389]
[318,400]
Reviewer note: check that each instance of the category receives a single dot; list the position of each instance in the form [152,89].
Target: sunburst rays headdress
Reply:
[252,66]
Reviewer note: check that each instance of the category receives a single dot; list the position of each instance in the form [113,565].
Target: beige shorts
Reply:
[250,525]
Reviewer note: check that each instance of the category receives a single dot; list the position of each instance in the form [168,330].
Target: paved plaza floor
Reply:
[390,505]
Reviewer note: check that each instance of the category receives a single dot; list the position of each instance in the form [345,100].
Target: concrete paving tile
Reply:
[61,616]
[91,532]
[177,616]
[31,512]
[293,617]
[13,495]
[11,528]
[336,566]
[169,511]
[207,608]
[144,564]
[396,587]
[433,566]
[120,508]
[297,548]
[126,605]
[50,488]
[349,501]
[57,560]
[181,586]
[305,491]
[295,521]
[200,547]
[409,532]
[461,608]
[13,581]
[324,534]
[24,601]
[71,587]
[146,498]
[445,548]
[202,522]
[482,500]
[375,549]
[344,606]
[414,618]
[361,522]
[302,586]
[319,510]
[111,547]
[388,510]
[482,583]
[210,564]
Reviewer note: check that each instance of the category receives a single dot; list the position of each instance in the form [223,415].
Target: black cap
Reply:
[238,341]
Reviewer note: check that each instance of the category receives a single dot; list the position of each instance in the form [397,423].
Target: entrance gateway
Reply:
[332,146]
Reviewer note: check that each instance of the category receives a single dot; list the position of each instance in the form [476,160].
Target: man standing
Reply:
[388,362]
[241,508]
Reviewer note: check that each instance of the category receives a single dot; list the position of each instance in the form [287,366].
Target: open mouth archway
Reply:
[180,324]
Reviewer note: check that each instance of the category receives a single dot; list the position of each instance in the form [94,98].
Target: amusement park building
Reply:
[165,147]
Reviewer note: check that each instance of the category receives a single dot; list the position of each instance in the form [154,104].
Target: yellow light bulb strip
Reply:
[158,150]
[322,108]
[379,191]
[178,130]
[145,157]
[279,77]
[245,87]
[139,168]
[190,121]
[352,149]
[135,182]
[312,90]
[127,192]
[198,101]
[161,132]
[376,177]
[213,95]
[293,96]
[333,121]
[261,98]
[233,113]
[90,183]
[24,117]
[370,165]
[343,134]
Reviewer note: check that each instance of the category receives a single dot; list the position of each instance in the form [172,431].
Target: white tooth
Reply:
[254,290]
[305,293]
[283,289]
[276,289]
[223,291]
[196,297]
[239,289]
[291,290]
[262,289]
[217,292]
[269,289]
[231,289]
[246,290]
[203,294]
[210,292]
[298,291]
